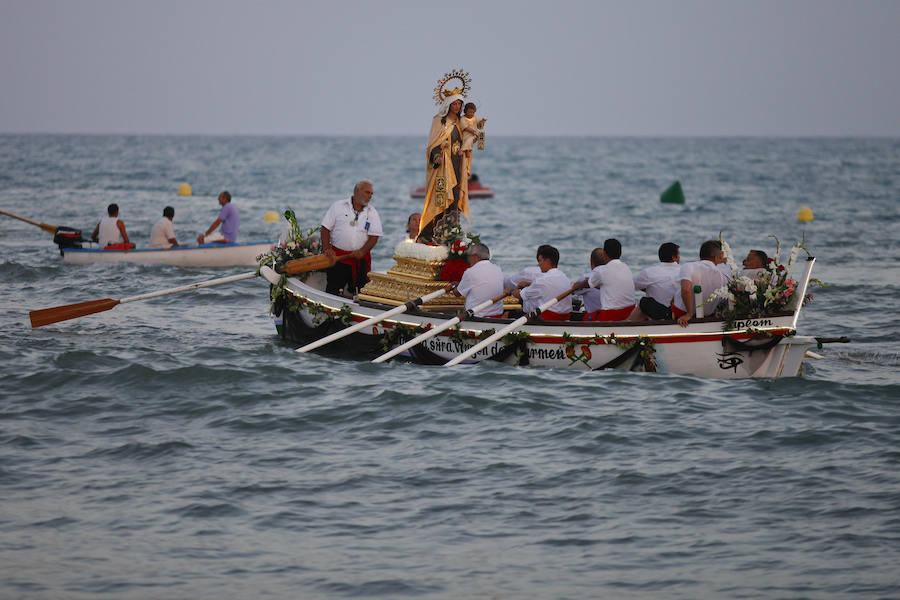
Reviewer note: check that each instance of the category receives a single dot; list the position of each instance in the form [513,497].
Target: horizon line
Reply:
[496,135]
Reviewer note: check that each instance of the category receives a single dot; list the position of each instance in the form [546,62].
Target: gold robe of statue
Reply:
[446,185]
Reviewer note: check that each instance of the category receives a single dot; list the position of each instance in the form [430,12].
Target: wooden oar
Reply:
[316,262]
[48,228]
[436,330]
[372,320]
[46,316]
[512,326]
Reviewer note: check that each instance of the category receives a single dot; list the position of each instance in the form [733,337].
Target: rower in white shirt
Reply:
[707,275]
[614,280]
[482,281]
[522,278]
[661,283]
[549,283]
[591,298]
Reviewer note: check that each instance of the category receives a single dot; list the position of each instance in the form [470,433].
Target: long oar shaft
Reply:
[418,340]
[192,286]
[435,330]
[44,226]
[371,321]
[512,326]
[46,316]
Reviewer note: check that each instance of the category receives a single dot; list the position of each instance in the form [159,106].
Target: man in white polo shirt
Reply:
[614,280]
[482,281]
[661,283]
[350,229]
[549,283]
[704,273]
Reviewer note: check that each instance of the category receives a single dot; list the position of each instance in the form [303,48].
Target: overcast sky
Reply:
[559,67]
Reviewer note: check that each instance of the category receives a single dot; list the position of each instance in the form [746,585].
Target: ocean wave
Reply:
[140,450]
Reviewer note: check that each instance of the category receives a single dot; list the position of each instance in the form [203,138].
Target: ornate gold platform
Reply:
[411,278]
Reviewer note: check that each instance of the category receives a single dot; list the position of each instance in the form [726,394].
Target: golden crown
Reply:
[442,91]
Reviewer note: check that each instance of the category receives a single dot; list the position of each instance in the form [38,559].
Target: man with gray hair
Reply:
[350,229]
[482,281]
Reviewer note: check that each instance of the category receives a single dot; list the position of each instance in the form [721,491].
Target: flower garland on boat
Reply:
[297,245]
[282,302]
[401,333]
[646,349]
[771,290]
[457,240]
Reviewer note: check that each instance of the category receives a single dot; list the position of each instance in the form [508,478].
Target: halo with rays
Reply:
[463,89]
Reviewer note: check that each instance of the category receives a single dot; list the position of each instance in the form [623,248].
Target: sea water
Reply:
[177,448]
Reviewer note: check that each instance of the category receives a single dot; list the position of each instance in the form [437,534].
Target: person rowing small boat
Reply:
[110,231]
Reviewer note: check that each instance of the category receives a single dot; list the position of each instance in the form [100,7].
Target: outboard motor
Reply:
[67,237]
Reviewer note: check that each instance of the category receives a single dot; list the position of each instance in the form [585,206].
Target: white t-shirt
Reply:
[482,281]
[161,232]
[109,231]
[708,276]
[615,283]
[345,235]
[545,286]
[661,281]
[527,274]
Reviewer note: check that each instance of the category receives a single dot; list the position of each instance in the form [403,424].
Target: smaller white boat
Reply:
[206,255]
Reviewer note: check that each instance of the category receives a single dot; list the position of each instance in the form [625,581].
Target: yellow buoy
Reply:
[805,215]
[184,189]
[271,217]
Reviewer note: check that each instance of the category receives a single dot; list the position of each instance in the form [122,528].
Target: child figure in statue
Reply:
[470,126]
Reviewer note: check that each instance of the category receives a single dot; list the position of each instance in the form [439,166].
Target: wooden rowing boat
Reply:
[764,347]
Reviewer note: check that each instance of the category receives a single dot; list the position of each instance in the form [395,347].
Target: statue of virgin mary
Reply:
[446,186]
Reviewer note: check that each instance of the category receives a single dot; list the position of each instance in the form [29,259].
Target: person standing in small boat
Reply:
[350,229]
[229,220]
[110,231]
[163,233]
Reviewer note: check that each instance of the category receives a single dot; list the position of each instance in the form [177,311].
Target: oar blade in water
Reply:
[46,316]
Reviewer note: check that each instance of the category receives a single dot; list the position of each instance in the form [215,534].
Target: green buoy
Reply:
[673,194]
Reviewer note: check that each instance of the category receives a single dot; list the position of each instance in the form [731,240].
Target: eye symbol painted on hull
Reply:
[730,360]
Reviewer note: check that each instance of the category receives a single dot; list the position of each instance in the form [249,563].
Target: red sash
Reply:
[119,246]
[611,314]
[549,315]
[677,312]
[357,265]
